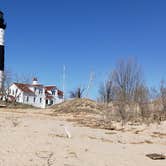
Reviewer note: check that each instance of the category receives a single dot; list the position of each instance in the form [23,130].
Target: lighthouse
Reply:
[2,49]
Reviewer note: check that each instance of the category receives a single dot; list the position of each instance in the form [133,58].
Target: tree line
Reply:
[126,91]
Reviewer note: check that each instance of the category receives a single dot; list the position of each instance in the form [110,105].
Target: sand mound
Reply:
[78,105]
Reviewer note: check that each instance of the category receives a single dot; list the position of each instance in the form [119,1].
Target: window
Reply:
[34,99]
[51,102]
[40,100]
[53,92]
[27,98]
[13,92]
[40,91]
[18,98]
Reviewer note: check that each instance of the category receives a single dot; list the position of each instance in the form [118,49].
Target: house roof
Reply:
[60,93]
[37,85]
[49,88]
[24,88]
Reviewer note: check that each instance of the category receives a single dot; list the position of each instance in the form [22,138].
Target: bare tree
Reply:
[154,94]
[7,83]
[127,76]
[106,91]
[142,99]
[163,94]
[24,78]
[131,92]
[141,94]
[8,78]
[125,86]
[78,93]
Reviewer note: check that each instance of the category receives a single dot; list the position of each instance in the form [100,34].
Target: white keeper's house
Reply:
[35,94]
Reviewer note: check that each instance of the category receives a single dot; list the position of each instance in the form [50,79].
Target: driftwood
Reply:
[67,132]
[155,156]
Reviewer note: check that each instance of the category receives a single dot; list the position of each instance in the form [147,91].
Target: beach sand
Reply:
[36,138]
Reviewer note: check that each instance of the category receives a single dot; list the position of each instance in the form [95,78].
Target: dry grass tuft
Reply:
[110,133]
[101,139]
[57,135]
[142,142]
[159,135]
[72,154]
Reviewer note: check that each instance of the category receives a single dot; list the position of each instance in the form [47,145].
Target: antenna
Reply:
[64,79]
[91,78]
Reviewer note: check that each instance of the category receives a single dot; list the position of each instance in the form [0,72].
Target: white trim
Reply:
[2,35]
[1,79]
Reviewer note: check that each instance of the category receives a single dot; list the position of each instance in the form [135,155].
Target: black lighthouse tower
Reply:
[2,49]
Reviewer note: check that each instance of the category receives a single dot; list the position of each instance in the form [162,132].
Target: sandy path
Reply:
[40,140]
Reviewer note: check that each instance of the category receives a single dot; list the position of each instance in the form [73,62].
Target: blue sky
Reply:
[85,35]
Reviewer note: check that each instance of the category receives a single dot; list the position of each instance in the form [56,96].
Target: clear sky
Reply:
[85,35]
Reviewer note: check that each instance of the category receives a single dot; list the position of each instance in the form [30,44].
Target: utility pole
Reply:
[64,79]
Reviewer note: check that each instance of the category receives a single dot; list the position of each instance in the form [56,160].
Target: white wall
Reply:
[15,92]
